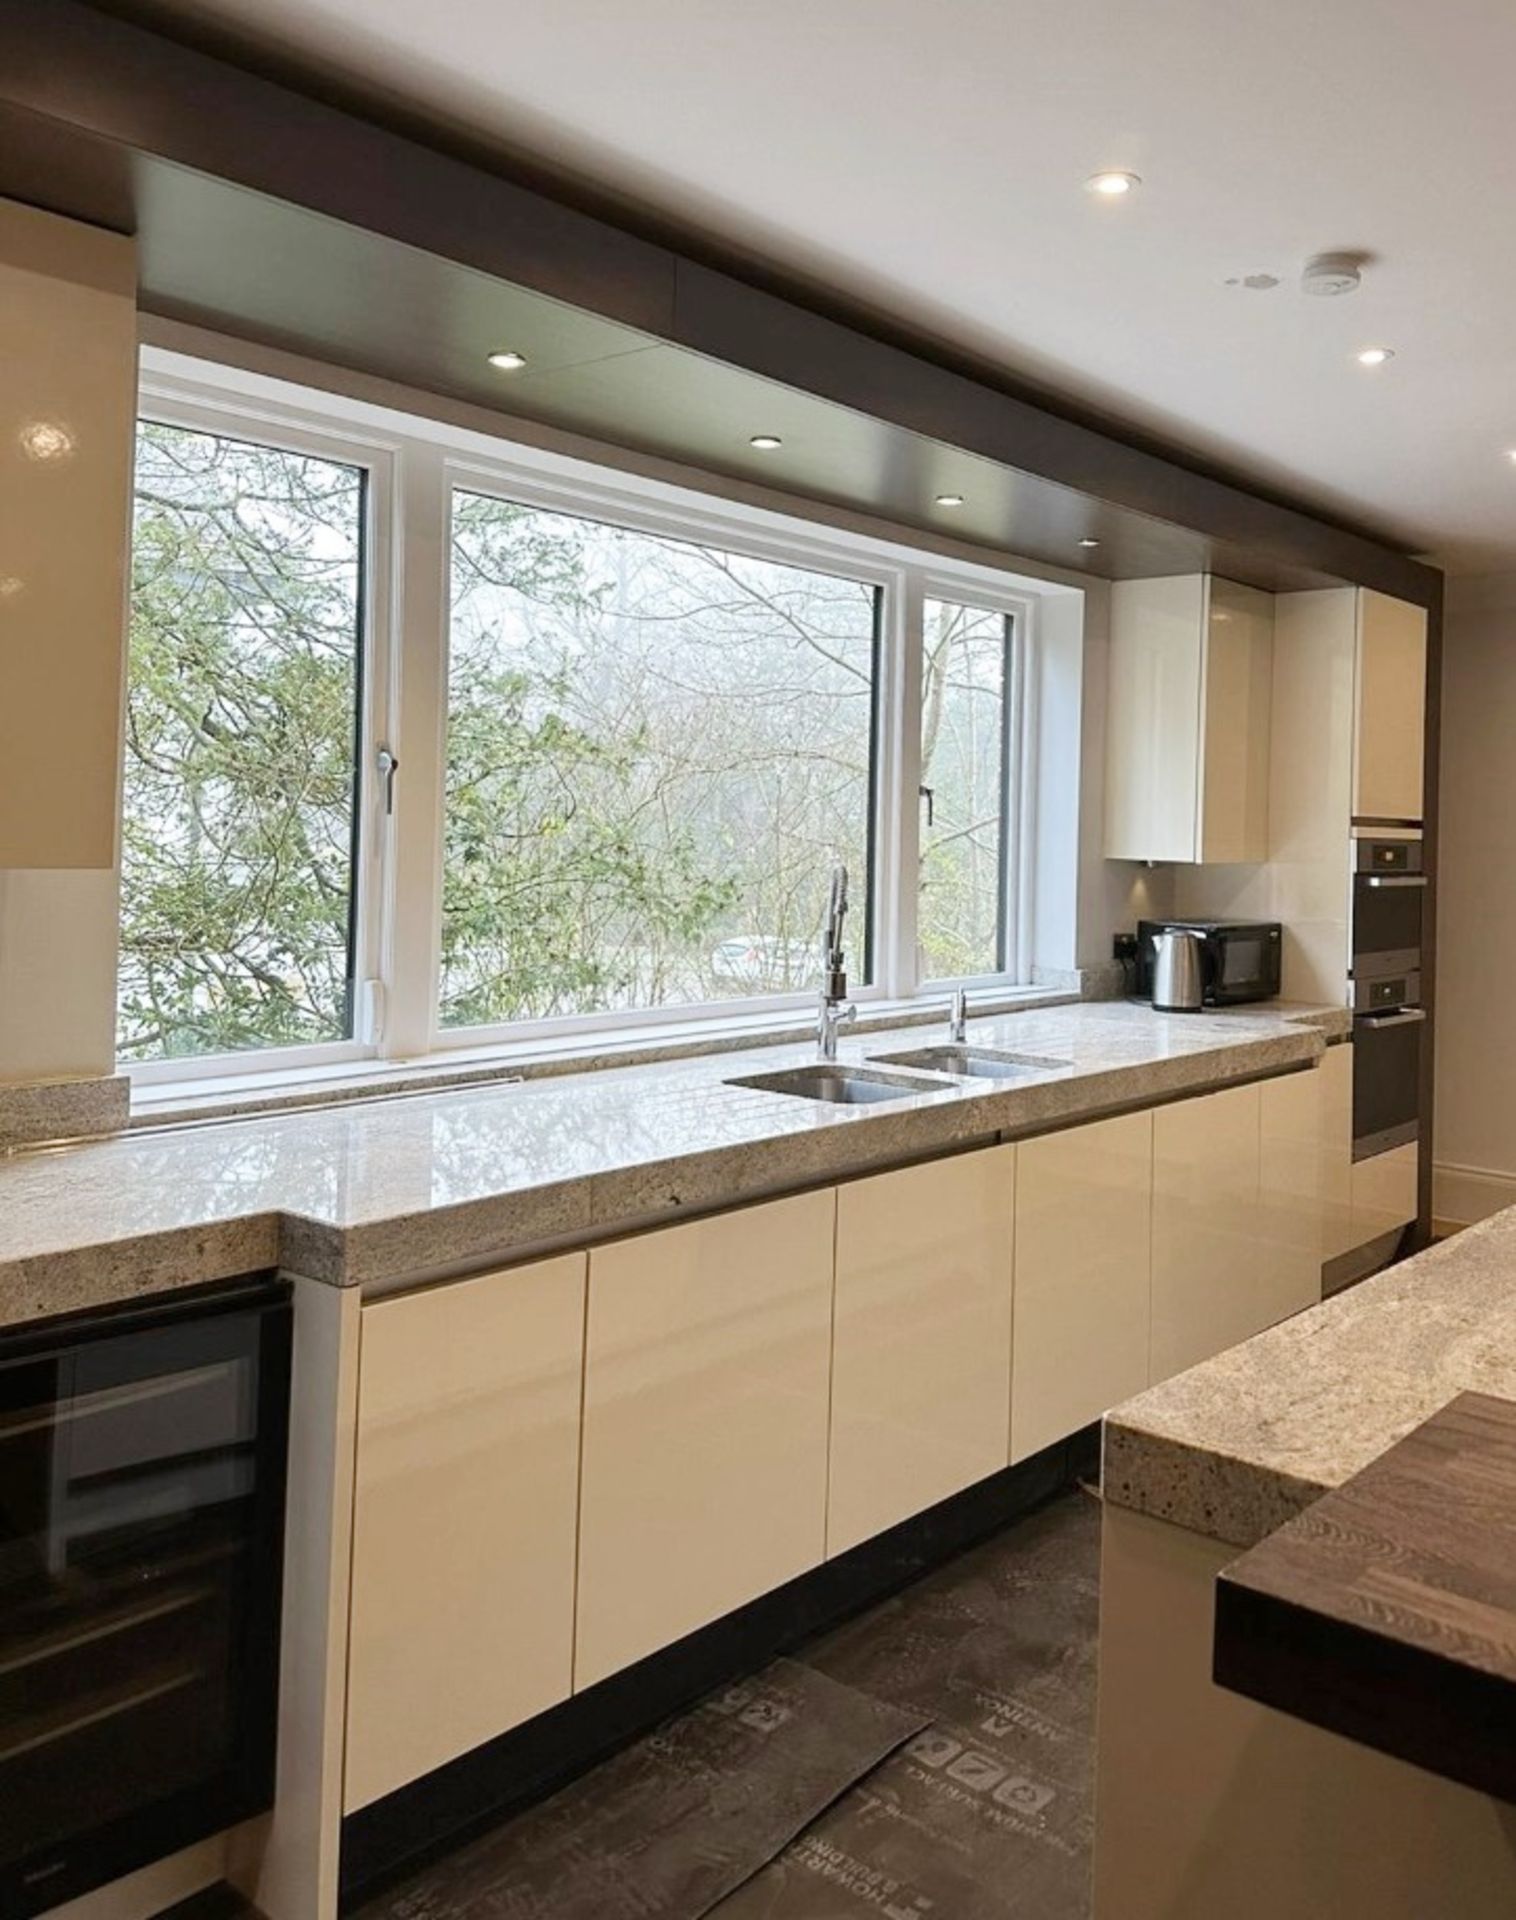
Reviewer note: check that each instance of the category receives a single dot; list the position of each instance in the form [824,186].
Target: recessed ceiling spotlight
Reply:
[1111,184]
[1512,454]
[1089,541]
[765,442]
[950,499]
[1375,356]
[508,361]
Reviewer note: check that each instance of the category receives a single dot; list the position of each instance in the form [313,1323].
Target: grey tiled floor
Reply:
[982,1814]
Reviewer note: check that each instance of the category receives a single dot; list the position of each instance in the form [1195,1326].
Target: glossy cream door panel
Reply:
[705,1424]
[1384,1193]
[464,1518]
[1339,1235]
[1083,1231]
[1388,744]
[922,1353]
[1205,1227]
[1238,703]
[1294,1165]
[1153,715]
[68,347]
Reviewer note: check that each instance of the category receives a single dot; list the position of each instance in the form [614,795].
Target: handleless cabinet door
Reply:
[463,1526]
[1083,1274]
[1338,1232]
[1390,703]
[705,1422]
[1205,1227]
[921,1370]
[1384,1192]
[1294,1154]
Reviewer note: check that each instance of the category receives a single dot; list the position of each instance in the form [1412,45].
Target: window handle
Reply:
[389,766]
[929,795]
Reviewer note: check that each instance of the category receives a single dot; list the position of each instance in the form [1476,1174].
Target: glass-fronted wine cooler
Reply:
[142,1472]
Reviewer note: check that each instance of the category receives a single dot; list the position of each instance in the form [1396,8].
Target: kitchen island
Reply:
[1208,1802]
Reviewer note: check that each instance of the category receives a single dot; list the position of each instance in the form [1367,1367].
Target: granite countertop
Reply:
[374,1191]
[1243,1443]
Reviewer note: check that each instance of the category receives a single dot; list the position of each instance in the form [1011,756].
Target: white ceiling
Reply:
[927,156]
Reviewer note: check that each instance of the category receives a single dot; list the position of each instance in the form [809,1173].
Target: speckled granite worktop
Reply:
[1242,1443]
[374,1191]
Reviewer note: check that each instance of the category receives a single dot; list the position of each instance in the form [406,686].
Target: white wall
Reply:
[1476,922]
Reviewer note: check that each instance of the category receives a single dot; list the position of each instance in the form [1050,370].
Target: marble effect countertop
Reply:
[372,1192]
[1244,1442]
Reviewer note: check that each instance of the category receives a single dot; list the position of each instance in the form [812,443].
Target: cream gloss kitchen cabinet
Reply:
[1084,1202]
[707,1370]
[467,1467]
[1238,1211]
[1389,701]
[1190,695]
[921,1363]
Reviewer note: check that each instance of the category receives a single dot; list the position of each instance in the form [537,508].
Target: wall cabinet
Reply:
[707,1368]
[464,1518]
[1083,1277]
[1389,699]
[921,1371]
[1188,719]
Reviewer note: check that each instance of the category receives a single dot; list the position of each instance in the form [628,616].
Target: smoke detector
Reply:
[1332,273]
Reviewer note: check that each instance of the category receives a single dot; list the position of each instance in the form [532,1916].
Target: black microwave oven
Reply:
[1240,958]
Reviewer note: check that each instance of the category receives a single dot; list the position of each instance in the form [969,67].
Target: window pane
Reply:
[655,752]
[964,738]
[241,748]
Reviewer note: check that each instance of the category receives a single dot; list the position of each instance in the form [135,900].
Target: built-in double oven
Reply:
[1389,900]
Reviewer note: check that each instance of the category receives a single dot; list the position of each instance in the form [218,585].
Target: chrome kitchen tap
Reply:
[835,1010]
[958,1017]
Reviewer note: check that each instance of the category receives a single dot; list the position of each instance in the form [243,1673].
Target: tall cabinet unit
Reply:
[1389,775]
[1190,695]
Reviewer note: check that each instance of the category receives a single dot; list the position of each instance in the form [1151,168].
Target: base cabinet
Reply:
[1206,1248]
[1384,1192]
[1083,1277]
[463,1524]
[1294,1164]
[1339,1234]
[707,1363]
[921,1379]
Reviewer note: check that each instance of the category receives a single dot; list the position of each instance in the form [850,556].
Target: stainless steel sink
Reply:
[979,1063]
[840,1086]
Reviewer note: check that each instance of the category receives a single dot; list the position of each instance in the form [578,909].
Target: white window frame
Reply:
[163,404]
[413,467]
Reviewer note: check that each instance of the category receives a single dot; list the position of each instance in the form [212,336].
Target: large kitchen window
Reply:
[967,728]
[656,749]
[435,742]
[238,836]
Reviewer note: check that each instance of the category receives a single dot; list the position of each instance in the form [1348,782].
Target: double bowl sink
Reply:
[848,1086]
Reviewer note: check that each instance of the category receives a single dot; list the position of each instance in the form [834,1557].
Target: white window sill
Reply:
[171,1103]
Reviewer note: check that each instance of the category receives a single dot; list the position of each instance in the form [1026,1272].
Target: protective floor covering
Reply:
[674,1823]
[933,1757]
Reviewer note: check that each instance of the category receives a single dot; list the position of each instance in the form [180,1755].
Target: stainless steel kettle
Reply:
[1178,970]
